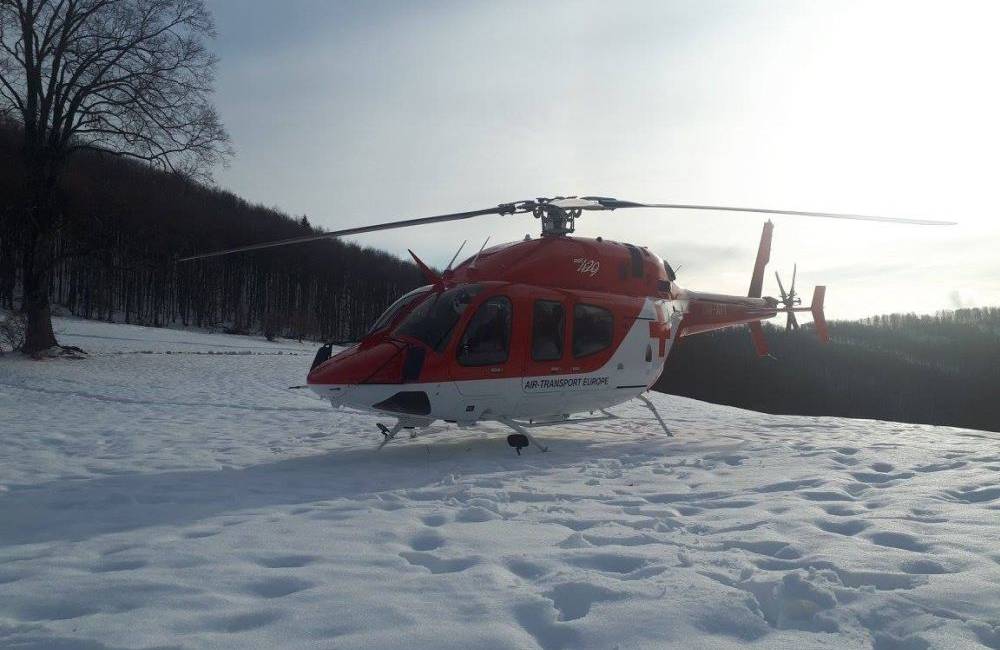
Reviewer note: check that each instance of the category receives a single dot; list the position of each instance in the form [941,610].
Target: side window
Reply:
[487,338]
[593,329]
[548,329]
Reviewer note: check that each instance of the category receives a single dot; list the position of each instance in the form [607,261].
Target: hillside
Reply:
[126,224]
[171,492]
[939,369]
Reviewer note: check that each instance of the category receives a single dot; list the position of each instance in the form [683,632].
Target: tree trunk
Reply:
[37,267]
[37,260]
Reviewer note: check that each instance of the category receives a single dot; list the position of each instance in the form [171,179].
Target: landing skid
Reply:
[522,427]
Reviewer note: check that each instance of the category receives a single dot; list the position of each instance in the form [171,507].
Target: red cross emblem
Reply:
[660,329]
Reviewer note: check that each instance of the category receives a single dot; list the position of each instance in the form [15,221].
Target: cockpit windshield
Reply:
[433,320]
[390,313]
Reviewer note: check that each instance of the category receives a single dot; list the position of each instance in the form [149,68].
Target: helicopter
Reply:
[547,330]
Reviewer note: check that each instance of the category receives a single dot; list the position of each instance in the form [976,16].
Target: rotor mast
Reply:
[557,220]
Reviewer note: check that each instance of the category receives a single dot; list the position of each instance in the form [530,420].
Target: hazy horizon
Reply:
[356,113]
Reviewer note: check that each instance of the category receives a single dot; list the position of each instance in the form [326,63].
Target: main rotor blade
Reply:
[500,209]
[603,203]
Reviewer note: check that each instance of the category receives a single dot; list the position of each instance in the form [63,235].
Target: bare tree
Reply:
[127,77]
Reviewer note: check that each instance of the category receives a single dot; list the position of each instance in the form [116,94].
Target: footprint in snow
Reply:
[924,567]
[436,519]
[436,564]
[54,610]
[839,510]
[240,622]
[573,600]
[848,528]
[426,541]
[525,569]
[608,562]
[278,586]
[537,619]
[903,541]
[939,467]
[887,641]
[775,548]
[112,565]
[790,486]
[825,495]
[975,495]
[475,514]
[878,477]
[286,561]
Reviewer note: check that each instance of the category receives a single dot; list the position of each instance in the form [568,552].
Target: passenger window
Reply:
[487,338]
[548,329]
[593,329]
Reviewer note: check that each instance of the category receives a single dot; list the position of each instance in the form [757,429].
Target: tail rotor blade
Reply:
[791,292]
[781,287]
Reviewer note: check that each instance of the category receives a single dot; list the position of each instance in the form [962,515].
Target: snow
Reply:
[171,491]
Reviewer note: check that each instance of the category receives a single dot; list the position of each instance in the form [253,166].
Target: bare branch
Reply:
[131,77]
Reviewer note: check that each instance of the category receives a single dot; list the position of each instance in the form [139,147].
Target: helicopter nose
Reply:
[381,363]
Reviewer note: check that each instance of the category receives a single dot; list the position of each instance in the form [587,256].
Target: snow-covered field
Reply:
[155,495]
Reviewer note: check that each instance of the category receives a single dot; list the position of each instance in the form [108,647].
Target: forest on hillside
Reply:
[940,369]
[125,224]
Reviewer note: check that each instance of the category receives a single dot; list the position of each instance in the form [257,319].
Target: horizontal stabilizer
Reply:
[759,340]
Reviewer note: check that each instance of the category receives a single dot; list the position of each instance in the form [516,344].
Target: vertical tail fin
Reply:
[757,287]
[763,257]
[819,318]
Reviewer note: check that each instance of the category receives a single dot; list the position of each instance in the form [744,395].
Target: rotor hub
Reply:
[556,220]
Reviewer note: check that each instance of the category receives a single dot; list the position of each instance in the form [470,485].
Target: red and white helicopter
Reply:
[530,333]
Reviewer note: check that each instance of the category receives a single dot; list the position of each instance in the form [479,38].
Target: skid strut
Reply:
[387,433]
[649,404]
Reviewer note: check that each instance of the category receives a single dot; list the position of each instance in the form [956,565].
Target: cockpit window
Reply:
[390,313]
[434,319]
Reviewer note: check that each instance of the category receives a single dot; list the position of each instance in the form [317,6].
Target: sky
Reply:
[361,112]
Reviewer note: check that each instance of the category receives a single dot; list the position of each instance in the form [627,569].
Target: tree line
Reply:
[933,369]
[123,225]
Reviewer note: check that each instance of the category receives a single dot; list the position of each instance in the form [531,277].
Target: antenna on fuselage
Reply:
[456,255]
[479,251]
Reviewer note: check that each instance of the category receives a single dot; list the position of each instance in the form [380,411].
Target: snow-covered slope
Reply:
[157,495]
